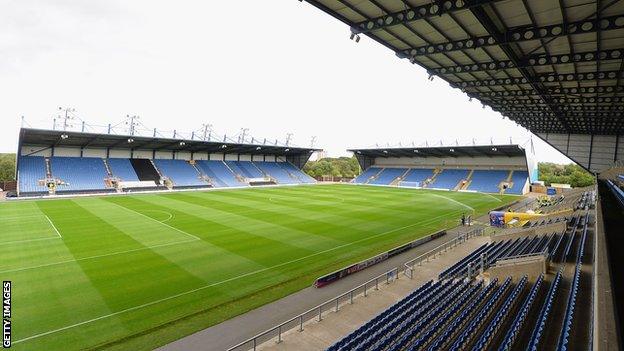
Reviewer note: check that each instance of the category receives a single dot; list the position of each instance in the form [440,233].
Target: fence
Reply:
[317,312]
[409,265]
[334,304]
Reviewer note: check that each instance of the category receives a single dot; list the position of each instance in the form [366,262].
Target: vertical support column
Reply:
[617,146]
[591,150]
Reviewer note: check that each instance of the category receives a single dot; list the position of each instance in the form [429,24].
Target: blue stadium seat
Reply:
[278,173]
[31,170]
[417,175]
[487,181]
[79,173]
[219,173]
[294,171]
[388,175]
[364,176]
[180,172]
[122,169]
[250,170]
[449,178]
[518,178]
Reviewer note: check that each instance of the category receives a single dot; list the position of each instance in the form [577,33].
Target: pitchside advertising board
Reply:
[339,274]
[6,314]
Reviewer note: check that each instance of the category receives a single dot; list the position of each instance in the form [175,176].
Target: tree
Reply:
[7,167]
[341,167]
[572,174]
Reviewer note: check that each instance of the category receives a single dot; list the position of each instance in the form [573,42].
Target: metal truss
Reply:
[550,91]
[434,9]
[518,34]
[532,61]
[541,78]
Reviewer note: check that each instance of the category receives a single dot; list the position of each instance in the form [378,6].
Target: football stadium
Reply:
[137,239]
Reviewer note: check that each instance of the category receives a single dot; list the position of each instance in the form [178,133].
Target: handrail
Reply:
[347,297]
[533,254]
[409,265]
[316,312]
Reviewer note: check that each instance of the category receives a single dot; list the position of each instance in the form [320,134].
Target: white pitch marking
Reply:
[165,224]
[495,198]
[453,200]
[53,226]
[26,241]
[221,282]
[96,256]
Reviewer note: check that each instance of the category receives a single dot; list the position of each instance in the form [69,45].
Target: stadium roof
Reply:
[444,151]
[552,66]
[56,138]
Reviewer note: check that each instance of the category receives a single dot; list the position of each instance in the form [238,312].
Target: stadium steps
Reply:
[201,174]
[374,176]
[468,180]
[293,176]
[400,178]
[48,168]
[464,183]
[259,169]
[239,177]
[108,168]
[432,179]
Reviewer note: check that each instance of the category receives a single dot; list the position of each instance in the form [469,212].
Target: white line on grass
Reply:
[53,226]
[224,281]
[452,200]
[26,241]
[165,224]
[493,197]
[96,256]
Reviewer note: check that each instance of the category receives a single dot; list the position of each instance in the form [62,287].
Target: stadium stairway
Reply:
[107,166]
[449,178]
[388,175]
[122,168]
[365,176]
[180,172]
[146,170]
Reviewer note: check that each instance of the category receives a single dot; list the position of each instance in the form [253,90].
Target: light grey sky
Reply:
[274,67]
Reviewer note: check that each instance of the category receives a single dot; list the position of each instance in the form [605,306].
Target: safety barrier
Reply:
[408,269]
[317,312]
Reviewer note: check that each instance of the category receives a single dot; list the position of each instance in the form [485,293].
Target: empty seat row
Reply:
[488,181]
[82,174]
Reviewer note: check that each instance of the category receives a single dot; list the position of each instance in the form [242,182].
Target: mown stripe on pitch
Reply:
[303,224]
[232,238]
[148,273]
[198,257]
[269,230]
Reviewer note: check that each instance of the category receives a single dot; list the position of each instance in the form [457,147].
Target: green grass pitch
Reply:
[138,271]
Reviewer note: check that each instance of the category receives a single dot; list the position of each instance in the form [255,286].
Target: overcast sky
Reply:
[275,67]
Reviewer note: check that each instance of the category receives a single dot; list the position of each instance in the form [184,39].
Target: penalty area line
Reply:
[53,226]
[151,303]
[157,221]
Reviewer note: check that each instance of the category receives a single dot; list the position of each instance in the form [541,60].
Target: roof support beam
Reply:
[566,114]
[434,9]
[607,101]
[532,61]
[551,91]
[518,34]
[541,78]
[587,109]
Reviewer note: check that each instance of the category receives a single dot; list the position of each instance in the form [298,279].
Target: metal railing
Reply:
[510,261]
[276,332]
[317,312]
[408,269]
